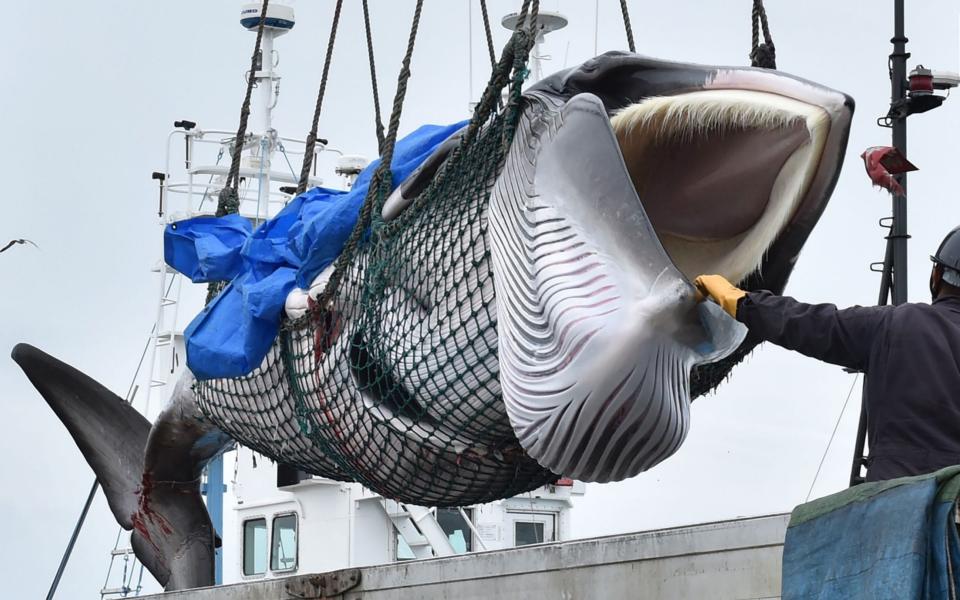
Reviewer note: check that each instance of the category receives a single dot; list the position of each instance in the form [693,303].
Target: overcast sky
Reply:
[93,88]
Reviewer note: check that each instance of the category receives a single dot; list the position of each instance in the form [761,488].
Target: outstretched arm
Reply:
[840,336]
[822,331]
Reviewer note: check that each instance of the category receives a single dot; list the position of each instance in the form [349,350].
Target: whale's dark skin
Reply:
[150,473]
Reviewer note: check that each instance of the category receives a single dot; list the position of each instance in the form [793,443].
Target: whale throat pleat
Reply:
[598,330]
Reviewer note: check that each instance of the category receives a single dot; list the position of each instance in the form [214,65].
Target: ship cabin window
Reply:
[283,549]
[527,533]
[533,527]
[453,525]
[255,547]
[456,528]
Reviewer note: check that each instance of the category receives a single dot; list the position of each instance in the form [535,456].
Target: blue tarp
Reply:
[232,335]
[207,248]
[885,540]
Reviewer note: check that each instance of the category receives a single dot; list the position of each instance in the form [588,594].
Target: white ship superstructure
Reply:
[280,521]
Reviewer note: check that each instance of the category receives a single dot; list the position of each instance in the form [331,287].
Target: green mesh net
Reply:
[392,380]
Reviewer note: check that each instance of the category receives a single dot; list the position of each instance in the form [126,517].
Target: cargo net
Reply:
[394,382]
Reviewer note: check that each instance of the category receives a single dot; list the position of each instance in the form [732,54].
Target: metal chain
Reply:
[373,78]
[627,26]
[382,176]
[312,136]
[762,54]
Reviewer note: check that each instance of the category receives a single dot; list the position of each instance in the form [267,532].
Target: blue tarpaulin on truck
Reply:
[234,332]
[893,539]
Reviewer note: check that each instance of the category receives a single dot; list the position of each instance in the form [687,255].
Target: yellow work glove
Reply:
[721,291]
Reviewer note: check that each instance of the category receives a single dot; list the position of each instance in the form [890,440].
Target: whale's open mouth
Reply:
[721,172]
[620,188]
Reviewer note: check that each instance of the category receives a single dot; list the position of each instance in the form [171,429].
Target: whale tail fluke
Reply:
[109,432]
[149,474]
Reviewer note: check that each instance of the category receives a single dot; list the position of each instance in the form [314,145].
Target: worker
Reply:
[910,354]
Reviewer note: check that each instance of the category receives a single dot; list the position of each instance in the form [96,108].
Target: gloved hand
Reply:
[721,291]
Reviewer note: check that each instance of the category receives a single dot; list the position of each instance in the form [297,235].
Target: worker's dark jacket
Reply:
[911,354]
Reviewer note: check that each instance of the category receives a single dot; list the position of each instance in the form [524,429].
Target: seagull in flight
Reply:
[20,241]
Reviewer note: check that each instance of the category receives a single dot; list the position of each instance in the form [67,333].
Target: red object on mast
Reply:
[882,163]
[921,81]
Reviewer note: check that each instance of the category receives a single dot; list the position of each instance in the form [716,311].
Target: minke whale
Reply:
[627,177]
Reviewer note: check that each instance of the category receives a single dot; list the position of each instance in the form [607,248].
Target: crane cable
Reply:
[513,59]
[382,174]
[486,29]
[229,201]
[311,142]
[378,119]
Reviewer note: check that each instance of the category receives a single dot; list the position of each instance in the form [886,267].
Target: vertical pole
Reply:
[266,84]
[859,456]
[898,89]
[215,508]
[893,284]
[535,58]
[265,80]
[73,540]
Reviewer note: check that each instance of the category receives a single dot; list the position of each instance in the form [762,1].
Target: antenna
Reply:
[278,21]
[547,22]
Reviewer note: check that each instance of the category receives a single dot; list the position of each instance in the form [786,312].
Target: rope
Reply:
[229,200]
[490,50]
[373,78]
[401,91]
[525,44]
[832,435]
[515,56]
[764,54]
[486,28]
[381,175]
[627,26]
[513,60]
[312,136]
[535,11]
